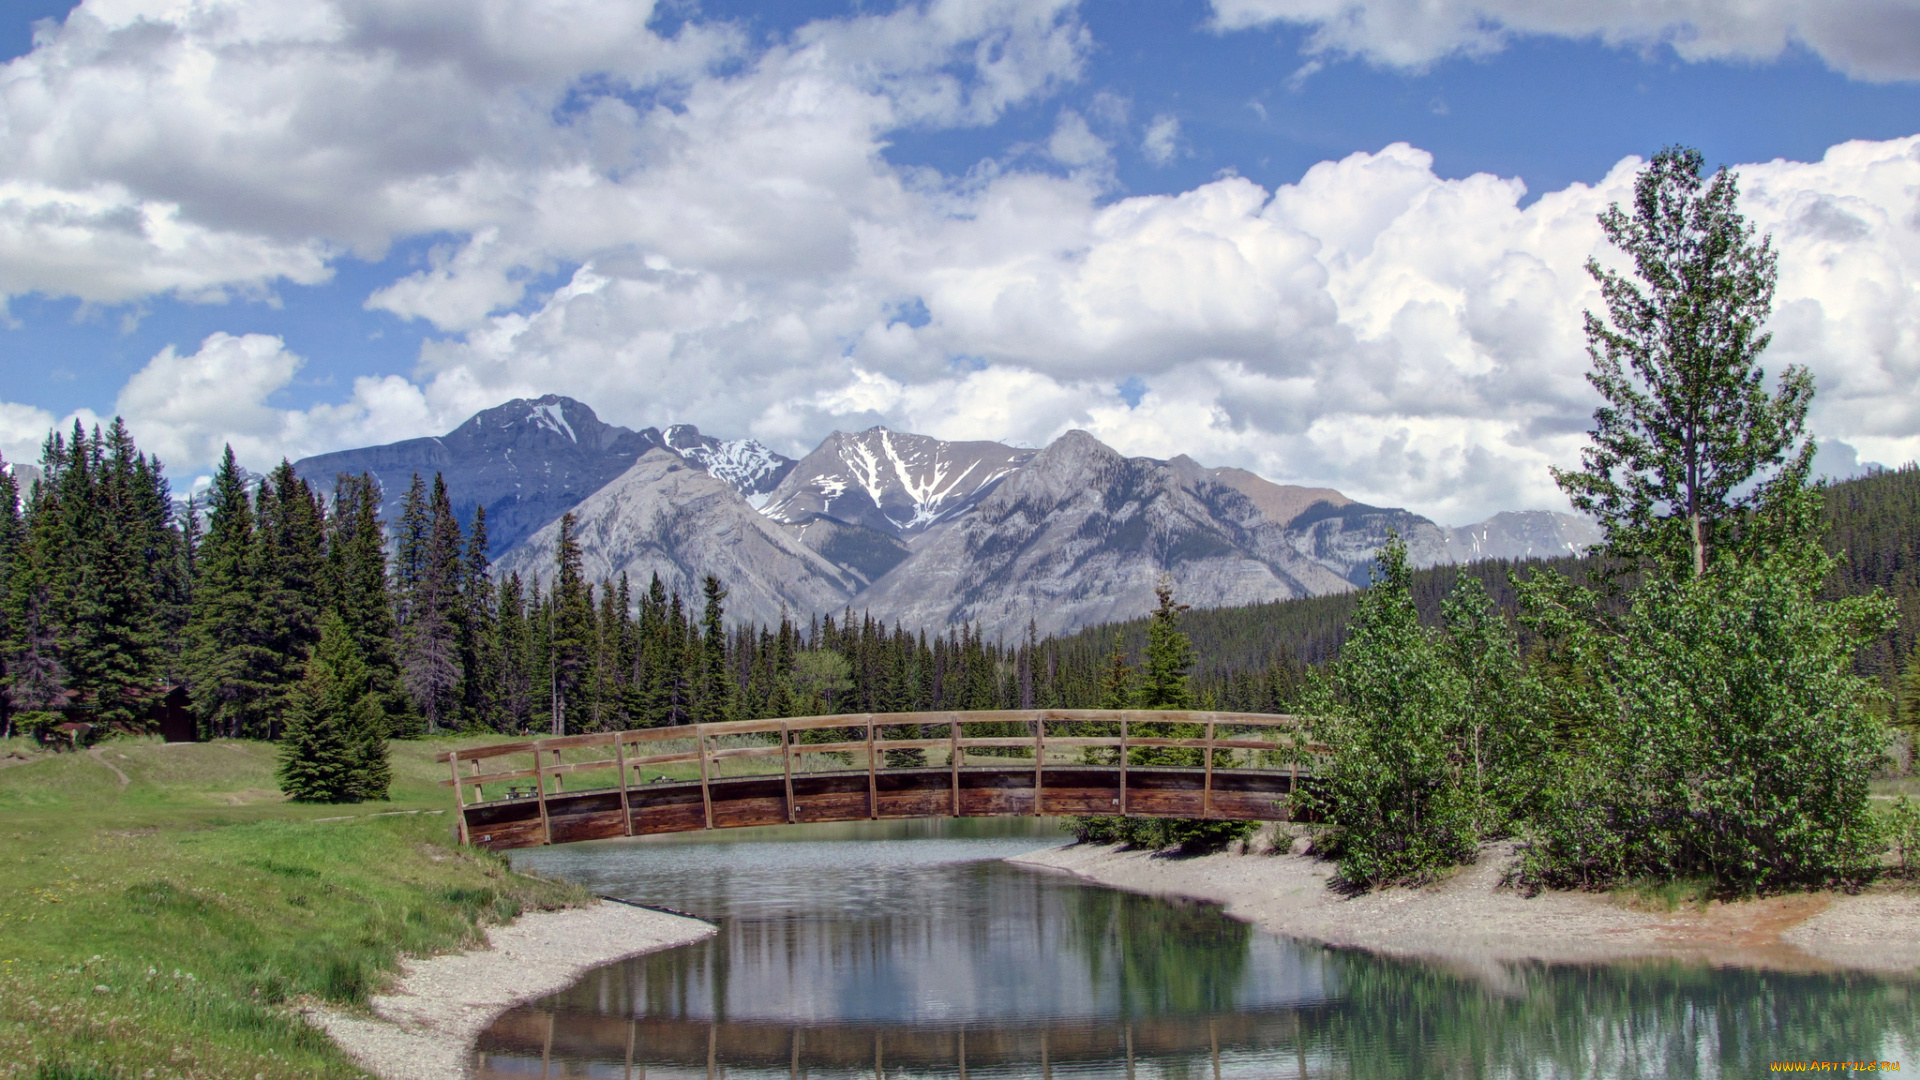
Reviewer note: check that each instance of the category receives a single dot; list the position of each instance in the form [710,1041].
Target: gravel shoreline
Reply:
[1469,922]
[424,1029]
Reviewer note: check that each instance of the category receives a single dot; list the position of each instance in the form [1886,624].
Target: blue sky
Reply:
[1187,227]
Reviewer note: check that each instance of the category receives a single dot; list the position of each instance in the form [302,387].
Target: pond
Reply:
[908,949]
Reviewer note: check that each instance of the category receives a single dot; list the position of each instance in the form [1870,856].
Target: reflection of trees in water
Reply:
[1401,1019]
[1393,1019]
[1160,955]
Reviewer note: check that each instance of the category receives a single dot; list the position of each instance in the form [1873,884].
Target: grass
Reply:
[169,928]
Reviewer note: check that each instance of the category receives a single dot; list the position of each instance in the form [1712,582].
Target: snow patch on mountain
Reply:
[748,465]
[553,417]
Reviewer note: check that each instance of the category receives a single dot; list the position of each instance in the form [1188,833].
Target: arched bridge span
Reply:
[1218,765]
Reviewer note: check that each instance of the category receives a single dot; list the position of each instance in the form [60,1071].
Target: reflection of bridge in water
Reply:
[524,1041]
[1212,765]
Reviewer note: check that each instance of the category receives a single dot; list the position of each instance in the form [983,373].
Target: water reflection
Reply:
[906,951]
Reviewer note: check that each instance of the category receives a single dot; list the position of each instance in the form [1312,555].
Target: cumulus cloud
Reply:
[736,251]
[1875,40]
[186,408]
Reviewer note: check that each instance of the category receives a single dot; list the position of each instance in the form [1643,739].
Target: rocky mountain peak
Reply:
[892,482]
[750,466]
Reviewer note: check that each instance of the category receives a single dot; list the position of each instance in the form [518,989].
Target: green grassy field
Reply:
[168,925]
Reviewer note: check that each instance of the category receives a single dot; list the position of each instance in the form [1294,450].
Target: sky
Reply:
[1337,242]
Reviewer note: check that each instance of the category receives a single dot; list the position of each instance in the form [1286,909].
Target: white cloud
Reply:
[1162,142]
[1867,39]
[737,250]
[187,408]
[22,429]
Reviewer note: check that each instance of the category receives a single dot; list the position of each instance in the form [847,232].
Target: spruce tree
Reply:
[334,747]
[1169,655]
[229,666]
[431,630]
[292,534]
[480,646]
[572,633]
[714,700]
[357,589]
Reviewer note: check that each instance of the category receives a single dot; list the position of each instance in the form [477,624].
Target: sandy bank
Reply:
[425,1028]
[1468,920]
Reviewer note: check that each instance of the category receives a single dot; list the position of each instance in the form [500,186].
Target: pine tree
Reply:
[1169,656]
[431,631]
[1688,425]
[572,634]
[517,680]
[334,748]
[292,534]
[714,695]
[480,644]
[230,668]
[357,589]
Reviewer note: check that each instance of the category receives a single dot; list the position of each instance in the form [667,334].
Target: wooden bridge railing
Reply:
[624,749]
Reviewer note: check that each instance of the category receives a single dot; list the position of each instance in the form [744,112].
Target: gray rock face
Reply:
[890,482]
[1082,535]
[531,460]
[749,466]
[1523,534]
[527,462]
[667,516]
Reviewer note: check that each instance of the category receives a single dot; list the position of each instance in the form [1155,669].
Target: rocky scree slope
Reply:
[670,517]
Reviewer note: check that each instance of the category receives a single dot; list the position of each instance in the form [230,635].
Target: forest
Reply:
[110,594]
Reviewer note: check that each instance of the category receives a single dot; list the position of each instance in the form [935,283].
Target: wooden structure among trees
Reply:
[1140,763]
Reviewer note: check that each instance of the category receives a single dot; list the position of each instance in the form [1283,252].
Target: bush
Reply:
[1192,836]
[1432,735]
[1723,732]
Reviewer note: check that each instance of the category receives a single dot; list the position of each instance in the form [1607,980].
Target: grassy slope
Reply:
[162,929]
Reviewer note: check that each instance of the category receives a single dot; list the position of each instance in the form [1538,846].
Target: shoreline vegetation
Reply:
[166,914]
[1467,921]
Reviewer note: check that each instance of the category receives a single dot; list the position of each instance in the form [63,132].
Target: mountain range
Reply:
[912,529]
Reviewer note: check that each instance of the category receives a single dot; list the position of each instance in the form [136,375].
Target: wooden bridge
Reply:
[1042,762]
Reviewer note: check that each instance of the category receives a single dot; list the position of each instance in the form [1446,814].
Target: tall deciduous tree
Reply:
[1688,425]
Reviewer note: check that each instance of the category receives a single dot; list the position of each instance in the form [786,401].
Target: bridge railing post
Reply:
[1039,759]
[786,764]
[540,789]
[706,795]
[873,780]
[1206,795]
[620,757]
[1123,764]
[459,796]
[953,759]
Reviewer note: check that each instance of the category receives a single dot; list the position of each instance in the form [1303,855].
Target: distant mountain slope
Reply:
[527,462]
[1081,534]
[530,460]
[1281,503]
[749,466]
[667,516]
[893,483]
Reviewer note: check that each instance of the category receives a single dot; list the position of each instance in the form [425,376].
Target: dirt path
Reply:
[100,756]
[1468,920]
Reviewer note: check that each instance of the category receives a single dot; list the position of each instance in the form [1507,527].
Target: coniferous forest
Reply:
[111,594]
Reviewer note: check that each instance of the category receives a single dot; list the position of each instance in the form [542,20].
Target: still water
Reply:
[907,949]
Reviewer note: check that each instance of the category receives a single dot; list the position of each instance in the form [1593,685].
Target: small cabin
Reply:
[172,715]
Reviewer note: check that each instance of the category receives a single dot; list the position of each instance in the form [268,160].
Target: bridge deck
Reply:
[1243,768]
